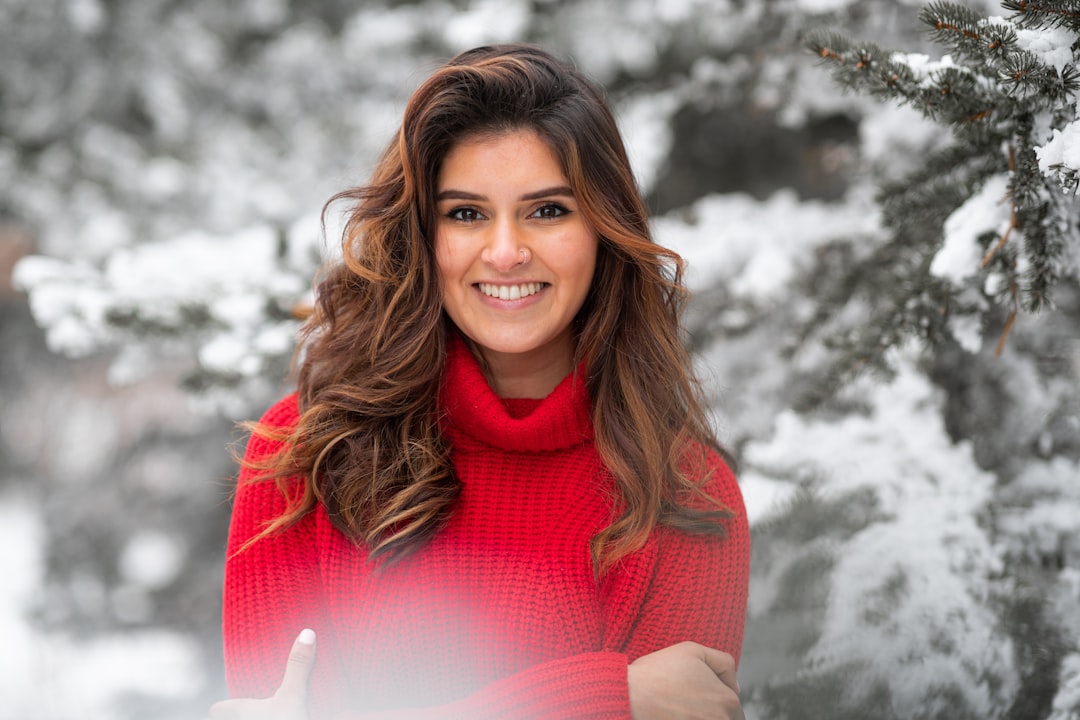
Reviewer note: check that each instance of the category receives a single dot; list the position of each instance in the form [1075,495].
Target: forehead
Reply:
[503,152]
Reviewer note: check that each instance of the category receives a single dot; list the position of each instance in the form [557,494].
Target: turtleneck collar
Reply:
[474,411]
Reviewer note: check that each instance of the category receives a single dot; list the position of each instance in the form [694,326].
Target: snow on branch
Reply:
[224,302]
[1008,91]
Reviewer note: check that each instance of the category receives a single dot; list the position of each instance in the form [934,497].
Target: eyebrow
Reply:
[452,194]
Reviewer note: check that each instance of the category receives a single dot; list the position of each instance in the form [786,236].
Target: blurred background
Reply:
[163,164]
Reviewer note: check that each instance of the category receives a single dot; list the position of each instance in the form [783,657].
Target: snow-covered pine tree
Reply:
[982,232]
[989,221]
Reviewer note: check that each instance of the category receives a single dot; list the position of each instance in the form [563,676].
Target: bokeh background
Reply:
[163,165]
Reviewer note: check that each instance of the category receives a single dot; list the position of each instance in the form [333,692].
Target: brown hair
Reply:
[368,443]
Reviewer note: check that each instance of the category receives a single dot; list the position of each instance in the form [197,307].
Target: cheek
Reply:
[586,261]
[450,271]
[444,260]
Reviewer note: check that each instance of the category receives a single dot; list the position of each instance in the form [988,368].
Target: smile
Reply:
[511,292]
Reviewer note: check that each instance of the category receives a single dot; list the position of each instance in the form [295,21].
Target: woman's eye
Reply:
[464,214]
[550,211]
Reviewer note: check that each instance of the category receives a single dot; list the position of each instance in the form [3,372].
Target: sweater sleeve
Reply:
[683,587]
[698,586]
[272,588]
[588,686]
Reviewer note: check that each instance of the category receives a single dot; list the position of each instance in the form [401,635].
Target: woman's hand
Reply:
[289,702]
[684,681]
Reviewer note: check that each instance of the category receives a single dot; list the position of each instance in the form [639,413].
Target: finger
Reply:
[298,669]
[723,665]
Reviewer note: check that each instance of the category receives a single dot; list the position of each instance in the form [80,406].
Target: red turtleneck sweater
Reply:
[499,615]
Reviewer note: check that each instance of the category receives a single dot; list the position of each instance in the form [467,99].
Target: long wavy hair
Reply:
[368,443]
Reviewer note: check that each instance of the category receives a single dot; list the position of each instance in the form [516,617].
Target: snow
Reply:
[265,14]
[929,601]
[757,248]
[151,559]
[96,673]
[73,678]
[374,29]
[192,266]
[763,496]
[966,329]
[674,11]
[486,22]
[107,230]
[162,95]
[132,363]
[604,43]
[22,535]
[88,16]
[822,6]
[225,354]
[922,65]
[1042,519]
[889,129]
[67,300]
[645,124]
[1053,46]
[231,277]
[988,210]
[1066,705]
[308,247]
[1063,148]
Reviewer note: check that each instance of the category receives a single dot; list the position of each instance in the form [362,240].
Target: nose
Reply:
[503,246]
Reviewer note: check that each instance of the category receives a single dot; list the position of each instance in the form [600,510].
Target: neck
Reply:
[529,375]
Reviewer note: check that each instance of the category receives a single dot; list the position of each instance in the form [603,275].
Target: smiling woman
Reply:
[495,493]
[515,258]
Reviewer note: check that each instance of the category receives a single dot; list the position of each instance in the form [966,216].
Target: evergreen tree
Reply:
[930,572]
[1008,91]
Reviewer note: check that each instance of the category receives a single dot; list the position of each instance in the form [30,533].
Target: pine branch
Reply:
[1070,80]
[864,67]
[958,97]
[1068,178]
[965,164]
[1045,13]
[993,94]
[1025,76]
[829,46]
[918,204]
[1005,334]
[959,28]
[1014,222]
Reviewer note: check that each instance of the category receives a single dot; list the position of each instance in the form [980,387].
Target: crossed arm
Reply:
[670,652]
[655,672]
[686,680]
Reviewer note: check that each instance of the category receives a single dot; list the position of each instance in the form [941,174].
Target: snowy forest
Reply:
[877,201]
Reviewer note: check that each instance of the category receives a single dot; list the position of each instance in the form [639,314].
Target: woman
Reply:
[495,493]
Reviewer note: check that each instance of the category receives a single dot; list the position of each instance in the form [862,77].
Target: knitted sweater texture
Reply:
[499,615]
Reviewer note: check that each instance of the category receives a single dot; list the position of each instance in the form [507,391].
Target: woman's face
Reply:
[515,256]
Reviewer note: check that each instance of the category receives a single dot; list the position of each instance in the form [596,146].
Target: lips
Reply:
[511,292]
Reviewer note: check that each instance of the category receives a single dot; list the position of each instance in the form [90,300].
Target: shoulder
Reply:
[709,470]
[262,492]
[269,436]
[280,418]
[283,414]
[721,484]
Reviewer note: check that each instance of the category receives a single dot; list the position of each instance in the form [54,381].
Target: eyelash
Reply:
[458,212]
[560,211]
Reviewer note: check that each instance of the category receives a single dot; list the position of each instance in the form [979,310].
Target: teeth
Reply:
[510,292]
